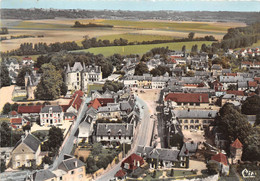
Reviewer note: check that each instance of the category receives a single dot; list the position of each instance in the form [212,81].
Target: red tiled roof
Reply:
[95,104]
[27,58]
[252,84]
[251,94]
[13,126]
[65,107]
[236,92]
[231,74]
[120,173]
[76,99]
[256,63]
[29,109]
[16,120]
[13,113]
[104,101]
[257,79]
[187,97]
[237,144]
[132,161]
[221,158]
[247,63]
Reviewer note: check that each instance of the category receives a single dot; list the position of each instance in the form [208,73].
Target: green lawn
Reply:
[165,25]
[141,49]
[135,37]
[94,87]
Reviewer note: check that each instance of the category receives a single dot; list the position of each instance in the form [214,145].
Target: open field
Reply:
[136,37]
[141,49]
[59,30]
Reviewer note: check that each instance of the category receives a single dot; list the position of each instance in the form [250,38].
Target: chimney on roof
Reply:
[75,163]
[23,137]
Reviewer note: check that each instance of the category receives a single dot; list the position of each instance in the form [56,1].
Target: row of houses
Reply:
[110,117]
[49,115]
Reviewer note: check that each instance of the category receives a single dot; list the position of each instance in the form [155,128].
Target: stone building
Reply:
[78,77]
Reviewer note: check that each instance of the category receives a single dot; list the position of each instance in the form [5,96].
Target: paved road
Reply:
[69,141]
[143,137]
[66,149]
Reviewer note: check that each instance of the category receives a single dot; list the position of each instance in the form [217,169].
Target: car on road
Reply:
[142,107]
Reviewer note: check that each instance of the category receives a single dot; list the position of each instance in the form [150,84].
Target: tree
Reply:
[5,135]
[49,87]
[251,146]
[5,79]
[257,121]
[191,35]
[232,123]
[47,160]
[232,87]
[55,138]
[190,73]
[172,172]
[20,81]
[251,106]
[7,108]
[3,167]
[113,86]
[213,168]
[141,69]
[14,107]
[96,149]
[27,127]
[64,89]
[183,49]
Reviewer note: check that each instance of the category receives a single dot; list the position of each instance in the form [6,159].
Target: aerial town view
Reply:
[129,90]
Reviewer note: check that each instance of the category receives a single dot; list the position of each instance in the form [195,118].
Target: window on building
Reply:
[109,137]
[180,121]
[185,127]
[183,164]
[81,175]
[101,137]
[192,127]
[129,137]
[192,121]
[196,121]
[204,121]
[61,178]
[179,104]
[72,172]
[197,104]
[18,164]
[114,137]
[186,121]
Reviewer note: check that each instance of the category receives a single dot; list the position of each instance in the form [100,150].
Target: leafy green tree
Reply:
[20,77]
[91,166]
[49,87]
[55,138]
[251,106]
[3,167]
[64,89]
[183,49]
[27,127]
[232,87]
[47,160]
[191,35]
[7,108]
[141,69]
[5,79]
[251,146]
[14,107]
[113,86]
[5,135]
[213,168]
[232,123]
[96,149]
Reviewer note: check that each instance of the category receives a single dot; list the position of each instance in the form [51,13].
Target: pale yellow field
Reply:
[59,30]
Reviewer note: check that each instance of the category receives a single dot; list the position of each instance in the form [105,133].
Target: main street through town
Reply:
[144,130]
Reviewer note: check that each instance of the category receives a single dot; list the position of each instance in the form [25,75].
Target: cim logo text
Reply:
[248,174]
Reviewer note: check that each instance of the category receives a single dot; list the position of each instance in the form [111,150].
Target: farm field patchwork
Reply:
[141,49]
[59,30]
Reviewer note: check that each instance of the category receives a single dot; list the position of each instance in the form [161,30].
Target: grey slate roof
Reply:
[231,79]
[110,108]
[158,153]
[242,84]
[188,149]
[113,129]
[216,67]
[196,114]
[191,80]
[77,67]
[124,106]
[43,175]
[70,164]
[225,71]
[55,109]
[31,141]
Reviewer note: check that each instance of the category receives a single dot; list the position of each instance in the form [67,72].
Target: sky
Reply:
[139,5]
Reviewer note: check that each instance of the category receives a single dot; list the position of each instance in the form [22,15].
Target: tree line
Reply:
[43,48]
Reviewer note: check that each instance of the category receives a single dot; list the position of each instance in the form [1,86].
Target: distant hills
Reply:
[221,16]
